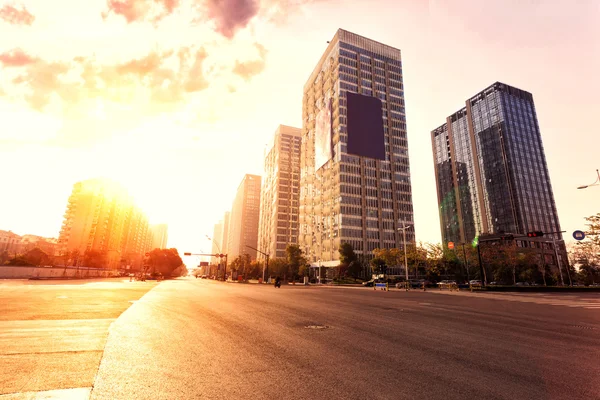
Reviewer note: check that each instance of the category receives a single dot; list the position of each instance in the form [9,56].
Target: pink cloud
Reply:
[231,15]
[16,16]
[16,58]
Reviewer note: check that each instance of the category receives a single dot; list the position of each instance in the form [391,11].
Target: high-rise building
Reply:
[491,170]
[280,193]
[102,217]
[224,238]
[159,234]
[243,221]
[355,175]
[215,240]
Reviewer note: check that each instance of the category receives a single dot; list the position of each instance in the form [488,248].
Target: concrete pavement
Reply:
[52,333]
[191,338]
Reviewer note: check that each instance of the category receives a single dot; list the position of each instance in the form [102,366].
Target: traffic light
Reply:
[221,255]
[535,234]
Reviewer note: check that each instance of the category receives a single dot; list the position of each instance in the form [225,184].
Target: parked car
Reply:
[495,283]
[522,284]
[475,282]
[204,277]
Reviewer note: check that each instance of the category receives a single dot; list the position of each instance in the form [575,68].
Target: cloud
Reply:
[16,58]
[278,11]
[230,15]
[159,78]
[16,16]
[249,69]
[138,10]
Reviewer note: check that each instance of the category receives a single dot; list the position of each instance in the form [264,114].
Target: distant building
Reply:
[355,177]
[215,240]
[159,235]
[10,242]
[102,217]
[243,222]
[30,242]
[224,238]
[490,167]
[280,193]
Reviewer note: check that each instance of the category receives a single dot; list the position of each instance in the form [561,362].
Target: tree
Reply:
[295,258]
[36,256]
[94,259]
[4,257]
[278,266]
[20,261]
[355,269]
[378,265]
[347,256]
[164,261]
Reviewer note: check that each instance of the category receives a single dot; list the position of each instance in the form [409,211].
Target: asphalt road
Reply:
[199,339]
[53,333]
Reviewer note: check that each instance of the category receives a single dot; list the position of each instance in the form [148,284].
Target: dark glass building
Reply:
[491,170]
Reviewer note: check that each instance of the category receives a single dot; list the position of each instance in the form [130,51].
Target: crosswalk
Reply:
[588,301]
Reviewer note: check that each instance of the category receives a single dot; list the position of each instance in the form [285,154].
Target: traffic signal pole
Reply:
[266,267]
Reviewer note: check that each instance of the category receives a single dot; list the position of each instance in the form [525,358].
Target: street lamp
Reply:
[220,258]
[596,182]
[403,229]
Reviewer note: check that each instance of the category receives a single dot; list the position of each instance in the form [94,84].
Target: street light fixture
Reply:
[220,258]
[596,182]
[403,229]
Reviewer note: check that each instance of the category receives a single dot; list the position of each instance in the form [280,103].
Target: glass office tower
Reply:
[491,170]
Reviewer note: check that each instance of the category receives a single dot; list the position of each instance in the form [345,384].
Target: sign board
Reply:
[451,245]
[578,235]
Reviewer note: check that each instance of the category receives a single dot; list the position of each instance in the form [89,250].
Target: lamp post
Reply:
[596,182]
[220,258]
[266,263]
[403,229]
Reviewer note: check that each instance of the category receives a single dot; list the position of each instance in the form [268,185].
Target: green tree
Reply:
[4,257]
[355,269]
[347,256]
[278,267]
[164,261]
[295,259]
[378,265]
[20,261]
[36,256]
[94,259]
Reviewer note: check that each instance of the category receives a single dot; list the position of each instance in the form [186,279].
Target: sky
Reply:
[177,99]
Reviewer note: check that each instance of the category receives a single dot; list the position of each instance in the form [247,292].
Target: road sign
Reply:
[451,245]
[579,235]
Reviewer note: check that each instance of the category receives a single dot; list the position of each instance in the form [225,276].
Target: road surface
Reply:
[192,338]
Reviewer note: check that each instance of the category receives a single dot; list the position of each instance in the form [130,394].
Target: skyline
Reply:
[58,156]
